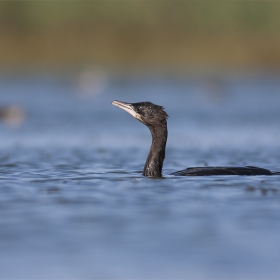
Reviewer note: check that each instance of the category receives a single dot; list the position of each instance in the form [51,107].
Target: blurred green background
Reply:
[121,35]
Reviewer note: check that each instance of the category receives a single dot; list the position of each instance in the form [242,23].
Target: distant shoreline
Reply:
[140,34]
[57,49]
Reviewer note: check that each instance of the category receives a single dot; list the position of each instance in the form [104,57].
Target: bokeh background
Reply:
[139,35]
[73,201]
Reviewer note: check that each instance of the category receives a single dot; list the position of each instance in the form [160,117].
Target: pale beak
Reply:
[128,107]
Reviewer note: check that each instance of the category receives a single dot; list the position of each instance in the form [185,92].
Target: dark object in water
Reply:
[155,118]
[11,115]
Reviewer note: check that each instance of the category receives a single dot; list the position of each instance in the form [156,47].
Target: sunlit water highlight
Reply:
[73,202]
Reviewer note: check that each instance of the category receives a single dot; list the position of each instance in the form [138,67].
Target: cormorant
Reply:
[155,118]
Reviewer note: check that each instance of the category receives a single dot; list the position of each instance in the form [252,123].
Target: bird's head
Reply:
[146,112]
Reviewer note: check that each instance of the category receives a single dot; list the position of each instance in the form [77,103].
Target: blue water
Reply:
[73,202]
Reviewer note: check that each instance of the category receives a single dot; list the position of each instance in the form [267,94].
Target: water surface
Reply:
[73,202]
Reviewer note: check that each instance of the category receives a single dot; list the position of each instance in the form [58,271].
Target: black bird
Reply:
[155,118]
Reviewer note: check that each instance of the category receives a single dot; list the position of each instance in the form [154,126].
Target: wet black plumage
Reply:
[155,118]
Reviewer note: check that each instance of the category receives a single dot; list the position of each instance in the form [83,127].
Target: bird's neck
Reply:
[154,162]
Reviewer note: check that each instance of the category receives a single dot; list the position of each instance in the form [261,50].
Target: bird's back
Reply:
[222,170]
